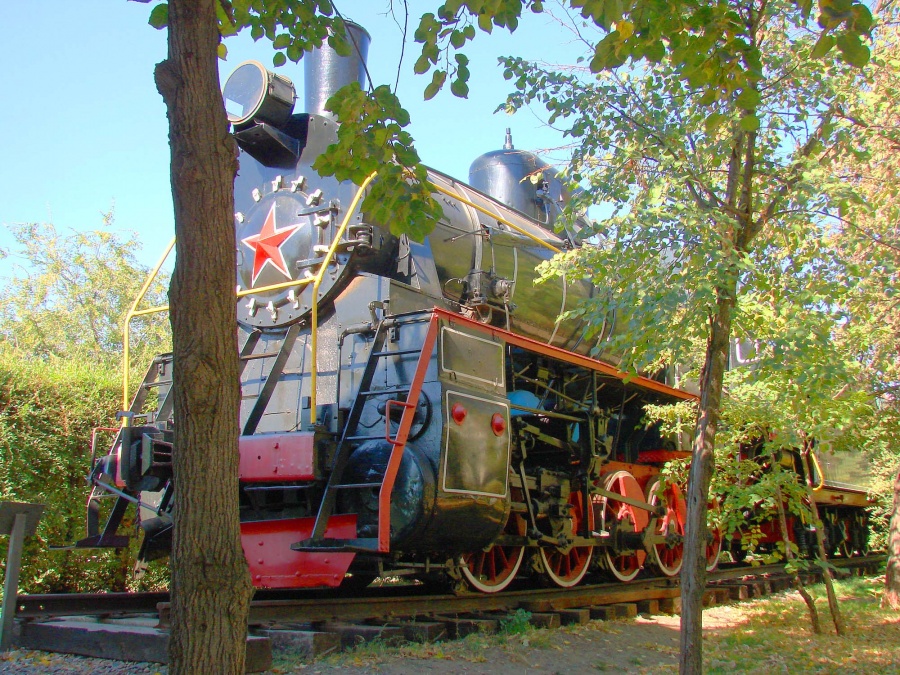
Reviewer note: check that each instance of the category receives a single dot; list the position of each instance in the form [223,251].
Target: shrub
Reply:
[47,411]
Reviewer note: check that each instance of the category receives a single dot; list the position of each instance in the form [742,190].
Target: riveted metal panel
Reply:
[472,360]
[476,459]
[277,457]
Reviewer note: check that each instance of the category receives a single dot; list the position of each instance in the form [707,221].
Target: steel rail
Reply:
[393,602]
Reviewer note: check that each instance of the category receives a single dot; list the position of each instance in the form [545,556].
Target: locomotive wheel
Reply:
[494,569]
[567,567]
[668,559]
[845,548]
[714,542]
[859,532]
[618,516]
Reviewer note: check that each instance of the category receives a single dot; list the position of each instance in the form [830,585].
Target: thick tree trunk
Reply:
[892,573]
[210,585]
[693,572]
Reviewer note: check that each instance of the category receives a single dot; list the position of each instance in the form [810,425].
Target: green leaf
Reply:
[159,16]
[862,19]
[281,41]
[655,51]
[823,45]
[853,50]
[750,123]
[422,65]
[485,23]
[222,51]
[713,122]
[749,99]
[279,59]
[437,81]
[459,88]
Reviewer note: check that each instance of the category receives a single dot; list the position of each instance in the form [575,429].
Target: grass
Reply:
[764,637]
[774,635]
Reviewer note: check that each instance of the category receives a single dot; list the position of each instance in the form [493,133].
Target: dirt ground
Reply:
[761,637]
[595,647]
[642,645]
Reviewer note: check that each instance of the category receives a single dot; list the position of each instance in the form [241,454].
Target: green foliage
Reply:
[371,138]
[516,623]
[744,494]
[867,236]
[293,27]
[47,412]
[71,294]
[705,199]
[709,45]
[371,135]
[747,492]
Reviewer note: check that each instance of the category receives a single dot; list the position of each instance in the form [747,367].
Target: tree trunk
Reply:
[693,572]
[789,555]
[210,585]
[820,541]
[892,573]
[737,237]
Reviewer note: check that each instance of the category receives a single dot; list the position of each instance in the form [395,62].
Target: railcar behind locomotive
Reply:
[408,408]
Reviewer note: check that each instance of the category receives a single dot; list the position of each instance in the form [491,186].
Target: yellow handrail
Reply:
[500,219]
[133,312]
[314,301]
[316,280]
[818,471]
[273,287]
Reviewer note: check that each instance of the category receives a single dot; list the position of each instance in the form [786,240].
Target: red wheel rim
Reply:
[567,567]
[624,566]
[714,541]
[668,558]
[493,570]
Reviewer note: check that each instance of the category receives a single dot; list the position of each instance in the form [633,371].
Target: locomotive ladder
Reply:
[349,441]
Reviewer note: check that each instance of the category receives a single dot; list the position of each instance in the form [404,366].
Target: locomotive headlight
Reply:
[254,94]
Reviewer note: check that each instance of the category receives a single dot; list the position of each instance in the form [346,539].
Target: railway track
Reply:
[133,626]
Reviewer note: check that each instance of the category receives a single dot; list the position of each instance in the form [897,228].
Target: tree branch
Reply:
[795,174]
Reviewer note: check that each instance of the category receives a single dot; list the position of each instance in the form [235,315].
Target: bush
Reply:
[47,412]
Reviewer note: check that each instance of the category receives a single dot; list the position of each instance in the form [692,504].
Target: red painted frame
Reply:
[564,355]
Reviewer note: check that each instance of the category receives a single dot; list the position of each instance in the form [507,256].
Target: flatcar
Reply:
[408,409]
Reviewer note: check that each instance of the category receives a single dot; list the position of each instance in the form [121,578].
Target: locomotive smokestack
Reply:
[326,71]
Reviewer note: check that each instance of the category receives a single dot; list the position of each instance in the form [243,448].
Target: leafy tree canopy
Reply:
[71,294]
[708,46]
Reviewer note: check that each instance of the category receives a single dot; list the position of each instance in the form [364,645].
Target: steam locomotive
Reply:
[408,408]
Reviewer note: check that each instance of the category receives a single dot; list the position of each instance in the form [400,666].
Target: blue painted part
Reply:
[522,398]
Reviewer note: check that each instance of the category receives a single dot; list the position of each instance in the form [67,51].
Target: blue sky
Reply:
[84,129]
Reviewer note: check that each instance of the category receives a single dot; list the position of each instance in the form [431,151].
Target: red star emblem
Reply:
[266,246]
